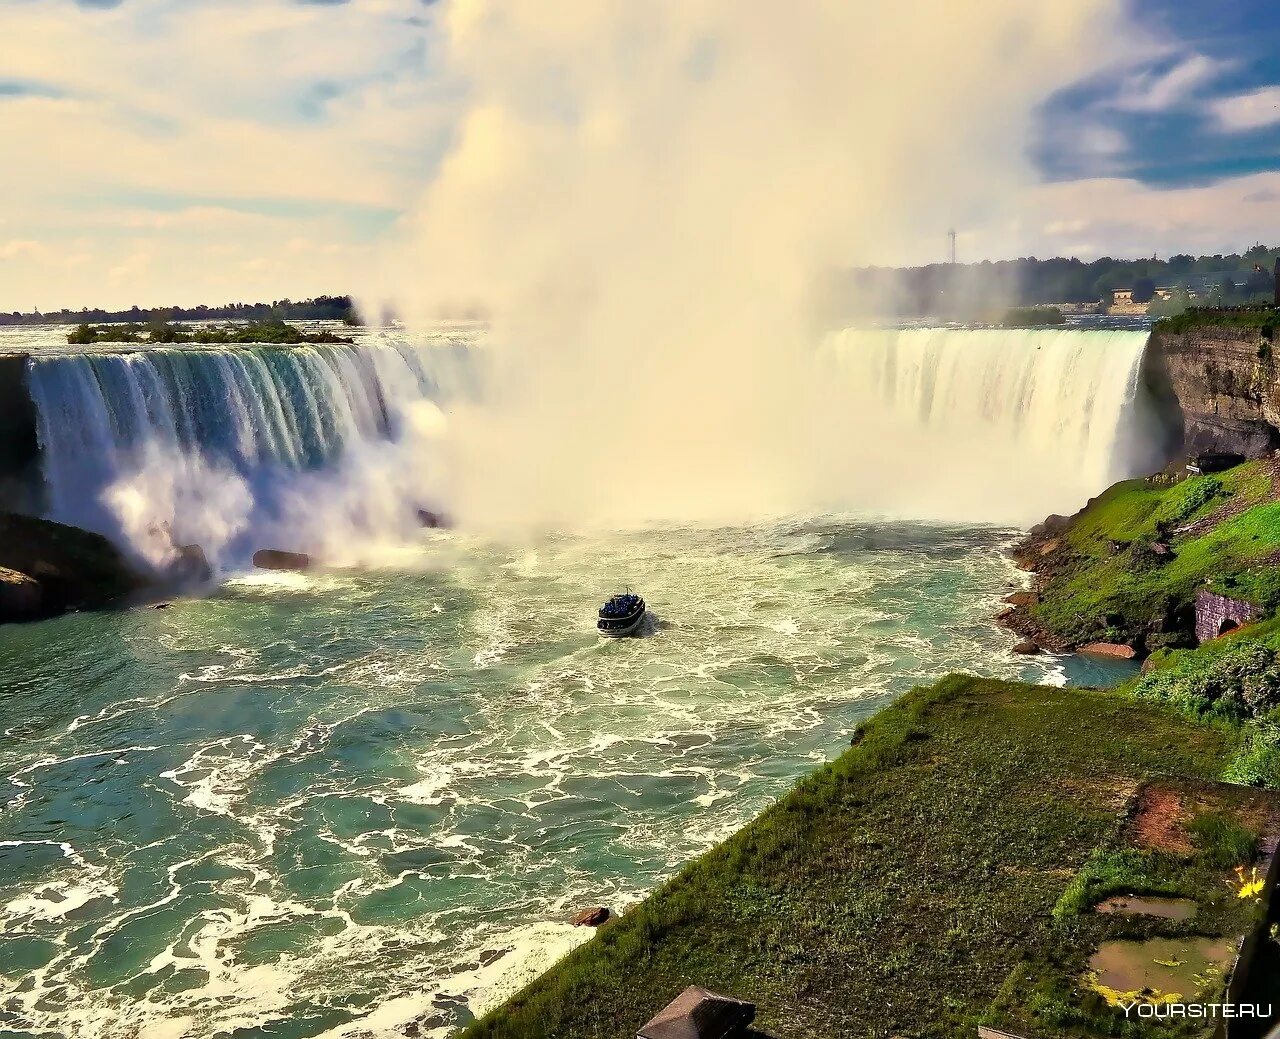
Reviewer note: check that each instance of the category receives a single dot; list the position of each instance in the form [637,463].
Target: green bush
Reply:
[1185,500]
[1239,683]
[1257,762]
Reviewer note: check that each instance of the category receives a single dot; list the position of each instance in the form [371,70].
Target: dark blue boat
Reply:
[621,615]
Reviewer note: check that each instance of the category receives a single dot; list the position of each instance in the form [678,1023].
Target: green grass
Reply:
[1113,872]
[1108,583]
[1222,841]
[897,889]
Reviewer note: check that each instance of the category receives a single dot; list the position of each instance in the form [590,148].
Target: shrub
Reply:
[1257,762]
[1239,683]
[1031,317]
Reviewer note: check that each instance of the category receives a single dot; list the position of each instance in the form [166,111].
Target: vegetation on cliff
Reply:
[1259,315]
[1128,566]
[270,332]
[909,887]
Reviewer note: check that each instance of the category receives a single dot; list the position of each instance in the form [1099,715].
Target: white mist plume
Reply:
[170,498]
[644,195]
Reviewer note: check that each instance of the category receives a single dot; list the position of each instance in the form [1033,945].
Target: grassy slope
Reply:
[893,891]
[1099,591]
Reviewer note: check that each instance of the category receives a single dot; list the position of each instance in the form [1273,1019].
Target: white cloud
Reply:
[1152,91]
[1250,111]
[185,127]
[1122,217]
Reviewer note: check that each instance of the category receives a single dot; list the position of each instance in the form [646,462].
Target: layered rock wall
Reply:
[1226,385]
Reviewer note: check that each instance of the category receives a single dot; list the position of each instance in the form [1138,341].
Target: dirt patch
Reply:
[1159,820]
[1163,810]
[1111,792]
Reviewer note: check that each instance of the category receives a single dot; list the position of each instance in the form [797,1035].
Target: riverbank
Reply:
[1127,568]
[910,886]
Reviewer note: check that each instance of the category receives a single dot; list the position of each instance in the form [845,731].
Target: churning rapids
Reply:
[333,804]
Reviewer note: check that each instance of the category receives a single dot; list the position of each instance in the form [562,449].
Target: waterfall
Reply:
[230,448]
[333,449]
[997,424]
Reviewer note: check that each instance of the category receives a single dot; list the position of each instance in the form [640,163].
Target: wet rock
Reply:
[189,565]
[72,569]
[591,917]
[21,597]
[161,605]
[278,559]
[1025,597]
[1026,648]
[1115,650]
[431,520]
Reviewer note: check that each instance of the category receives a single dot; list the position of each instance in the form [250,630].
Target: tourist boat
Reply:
[621,615]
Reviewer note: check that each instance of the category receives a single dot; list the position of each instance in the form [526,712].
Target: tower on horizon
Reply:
[952,235]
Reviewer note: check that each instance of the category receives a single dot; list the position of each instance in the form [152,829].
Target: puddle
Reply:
[1163,969]
[1143,905]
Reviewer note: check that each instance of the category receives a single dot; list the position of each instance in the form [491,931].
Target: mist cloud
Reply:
[643,197]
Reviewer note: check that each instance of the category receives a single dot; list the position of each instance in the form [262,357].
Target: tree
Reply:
[1259,284]
[1143,290]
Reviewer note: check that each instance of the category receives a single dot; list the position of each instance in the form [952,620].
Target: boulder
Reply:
[431,520]
[1026,648]
[21,597]
[1115,650]
[1049,547]
[72,569]
[189,565]
[593,916]
[1025,597]
[278,559]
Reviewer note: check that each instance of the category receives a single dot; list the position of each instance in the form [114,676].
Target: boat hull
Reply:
[624,626]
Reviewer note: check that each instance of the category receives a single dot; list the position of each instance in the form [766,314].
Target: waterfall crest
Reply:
[1005,425]
[331,449]
[227,447]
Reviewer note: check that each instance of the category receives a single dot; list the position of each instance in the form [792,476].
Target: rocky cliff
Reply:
[1226,384]
[49,568]
[19,449]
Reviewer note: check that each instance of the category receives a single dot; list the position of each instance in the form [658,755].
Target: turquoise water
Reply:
[338,803]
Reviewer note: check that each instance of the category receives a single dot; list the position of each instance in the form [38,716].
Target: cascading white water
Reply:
[332,449]
[231,449]
[993,424]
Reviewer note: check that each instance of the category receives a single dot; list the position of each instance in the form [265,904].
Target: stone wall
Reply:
[20,484]
[1217,614]
[1225,382]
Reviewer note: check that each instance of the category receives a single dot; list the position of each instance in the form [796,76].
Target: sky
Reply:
[202,151]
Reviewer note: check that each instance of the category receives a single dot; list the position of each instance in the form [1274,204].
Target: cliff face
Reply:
[1227,387]
[19,449]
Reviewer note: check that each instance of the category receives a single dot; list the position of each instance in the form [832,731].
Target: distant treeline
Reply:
[322,308]
[967,289]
